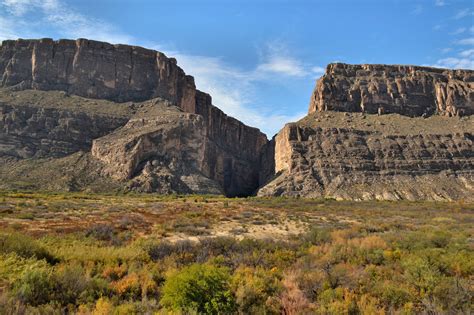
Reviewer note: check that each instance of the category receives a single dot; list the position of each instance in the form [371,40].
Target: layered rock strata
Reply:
[381,132]
[81,114]
[94,69]
[406,90]
[161,149]
[121,73]
[37,124]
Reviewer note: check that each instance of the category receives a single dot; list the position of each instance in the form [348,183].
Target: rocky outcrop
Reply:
[50,124]
[160,149]
[233,153]
[81,114]
[359,156]
[94,69]
[173,151]
[406,90]
[126,76]
[380,132]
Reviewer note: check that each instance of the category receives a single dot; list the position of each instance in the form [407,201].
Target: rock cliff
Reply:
[81,114]
[125,76]
[94,69]
[37,124]
[406,90]
[381,132]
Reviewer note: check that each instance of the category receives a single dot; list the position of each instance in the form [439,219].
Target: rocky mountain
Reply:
[95,77]
[88,115]
[381,132]
[406,90]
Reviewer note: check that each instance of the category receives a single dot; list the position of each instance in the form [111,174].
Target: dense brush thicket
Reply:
[149,254]
[359,270]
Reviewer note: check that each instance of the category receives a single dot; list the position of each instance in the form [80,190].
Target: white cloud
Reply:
[458,31]
[466,41]
[65,20]
[276,59]
[318,70]
[440,3]
[233,89]
[283,65]
[19,7]
[467,53]
[455,63]
[463,13]
[446,50]
[463,60]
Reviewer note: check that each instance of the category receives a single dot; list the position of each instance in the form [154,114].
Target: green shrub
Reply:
[421,274]
[453,296]
[35,287]
[70,283]
[253,288]
[201,288]
[24,246]
[394,295]
[318,236]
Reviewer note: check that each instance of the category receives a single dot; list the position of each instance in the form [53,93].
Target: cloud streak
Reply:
[64,20]
[466,41]
[463,13]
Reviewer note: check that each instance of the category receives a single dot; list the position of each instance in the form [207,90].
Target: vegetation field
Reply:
[74,253]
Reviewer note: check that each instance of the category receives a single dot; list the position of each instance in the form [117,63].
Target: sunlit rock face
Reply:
[127,76]
[94,70]
[380,132]
[406,90]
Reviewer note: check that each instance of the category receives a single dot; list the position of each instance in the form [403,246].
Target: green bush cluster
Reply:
[367,267]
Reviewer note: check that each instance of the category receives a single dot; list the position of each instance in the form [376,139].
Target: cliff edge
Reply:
[380,132]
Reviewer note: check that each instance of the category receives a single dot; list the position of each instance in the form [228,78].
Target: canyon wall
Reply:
[381,132]
[132,75]
[406,90]
[94,69]
[82,114]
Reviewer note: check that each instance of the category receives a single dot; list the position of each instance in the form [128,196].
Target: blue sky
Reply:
[260,59]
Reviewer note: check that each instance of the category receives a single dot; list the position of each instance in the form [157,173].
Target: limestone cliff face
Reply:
[94,70]
[82,114]
[358,156]
[406,90]
[37,124]
[160,149]
[381,132]
[126,76]
[233,152]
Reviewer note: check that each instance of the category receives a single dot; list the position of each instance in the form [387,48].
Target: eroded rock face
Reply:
[406,90]
[120,73]
[234,149]
[94,69]
[357,156]
[160,149]
[381,132]
[39,125]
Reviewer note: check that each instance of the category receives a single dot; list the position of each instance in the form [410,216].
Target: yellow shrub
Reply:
[114,272]
[369,242]
[128,285]
[368,305]
[83,310]
[103,307]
